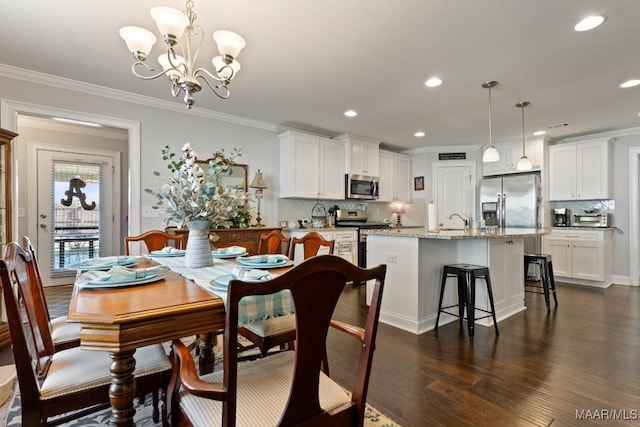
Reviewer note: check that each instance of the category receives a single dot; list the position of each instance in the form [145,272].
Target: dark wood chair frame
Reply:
[156,240]
[273,243]
[315,286]
[18,270]
[39,294]
[311,242]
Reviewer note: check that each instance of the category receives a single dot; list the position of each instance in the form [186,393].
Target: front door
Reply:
[75,209]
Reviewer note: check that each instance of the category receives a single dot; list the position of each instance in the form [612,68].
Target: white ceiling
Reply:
[306,62]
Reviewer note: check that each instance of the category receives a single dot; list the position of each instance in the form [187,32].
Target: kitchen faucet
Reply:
[465,220]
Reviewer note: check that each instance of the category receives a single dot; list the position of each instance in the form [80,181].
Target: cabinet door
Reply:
[506,265]
[587,260]
[386,177]
[561,255]
[363,157]
[299,166]
[401,178]
[592,170]
[562,172]
[331,177]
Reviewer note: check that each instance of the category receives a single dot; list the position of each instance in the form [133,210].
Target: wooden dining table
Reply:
[119,320]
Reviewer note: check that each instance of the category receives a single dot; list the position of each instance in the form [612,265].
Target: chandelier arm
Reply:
[175,89]
[155,76]
[216,88]
[200,71]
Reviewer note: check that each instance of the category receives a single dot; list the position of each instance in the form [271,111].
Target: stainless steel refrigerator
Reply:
[511,201]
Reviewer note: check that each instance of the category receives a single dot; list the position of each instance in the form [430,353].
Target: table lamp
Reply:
[398,209]
[259,185]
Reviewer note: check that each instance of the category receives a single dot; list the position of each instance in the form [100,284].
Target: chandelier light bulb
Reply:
[229,43]
[178,61]
[138,40]
[171,23]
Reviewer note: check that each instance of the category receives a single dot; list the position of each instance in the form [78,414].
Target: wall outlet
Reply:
[149,212]
[392,258]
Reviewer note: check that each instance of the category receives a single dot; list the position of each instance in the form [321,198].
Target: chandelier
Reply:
[179,28]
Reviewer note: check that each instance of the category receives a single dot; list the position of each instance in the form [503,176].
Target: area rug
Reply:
[143,417]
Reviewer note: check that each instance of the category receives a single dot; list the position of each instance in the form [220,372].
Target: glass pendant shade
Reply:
[229,43]
[170,21]
[491,154]
[524,164]
[225,72]
[138,39]
[178,61]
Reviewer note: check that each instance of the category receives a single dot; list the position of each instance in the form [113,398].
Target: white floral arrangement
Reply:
[191,193]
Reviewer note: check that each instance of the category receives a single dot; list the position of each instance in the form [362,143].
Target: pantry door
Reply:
[454,189]
[75,206]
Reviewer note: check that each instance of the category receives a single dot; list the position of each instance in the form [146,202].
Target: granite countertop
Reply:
[423,233]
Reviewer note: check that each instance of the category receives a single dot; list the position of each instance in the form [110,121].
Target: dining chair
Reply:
[63,334]
[155,240]
[281,331]
[291,387]
[273,243]
[311,244]
[73,380]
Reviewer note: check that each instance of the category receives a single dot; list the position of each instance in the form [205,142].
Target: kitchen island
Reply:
[415,256]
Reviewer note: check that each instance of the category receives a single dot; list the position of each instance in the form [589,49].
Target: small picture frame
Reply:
[418,183]
[284,224]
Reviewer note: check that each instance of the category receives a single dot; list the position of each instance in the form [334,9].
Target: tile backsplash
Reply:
[291,210]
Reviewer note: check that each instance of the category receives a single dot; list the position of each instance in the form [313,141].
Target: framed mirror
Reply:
[238,178]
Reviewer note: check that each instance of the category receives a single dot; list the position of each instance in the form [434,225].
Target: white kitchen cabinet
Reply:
[507,268]
[395,177]
[584,255]
[580,170]
[510,153]
[345,243]
[362,155]
[311,167]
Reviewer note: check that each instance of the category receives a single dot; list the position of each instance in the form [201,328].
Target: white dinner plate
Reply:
[219,255]
[100,284]
[279,264]
[159,254]
[222,282]
[103,263]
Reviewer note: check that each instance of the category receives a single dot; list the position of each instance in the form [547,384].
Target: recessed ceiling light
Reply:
[539,132]
[419,134]
[350,113]
[630,83]
[589,23]
[433,82]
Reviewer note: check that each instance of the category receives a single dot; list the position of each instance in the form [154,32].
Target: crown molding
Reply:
[442,149]
[610,134]
[120,95]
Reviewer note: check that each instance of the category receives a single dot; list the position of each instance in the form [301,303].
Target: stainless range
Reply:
[359,220]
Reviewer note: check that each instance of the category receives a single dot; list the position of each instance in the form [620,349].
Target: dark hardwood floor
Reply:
[583,356]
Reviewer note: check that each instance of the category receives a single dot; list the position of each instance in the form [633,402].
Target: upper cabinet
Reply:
[362,155]
[580,170]
[510,153]
[395,177]
[311,167]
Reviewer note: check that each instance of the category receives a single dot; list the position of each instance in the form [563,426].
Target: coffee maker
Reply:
[561,217]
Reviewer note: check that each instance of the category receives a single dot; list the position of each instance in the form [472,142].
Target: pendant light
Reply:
[524,164]
[490,154]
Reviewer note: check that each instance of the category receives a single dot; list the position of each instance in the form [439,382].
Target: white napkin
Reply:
[250,275]
[119,273]
[170,250]
[267,259]
[92,262]
[230,250]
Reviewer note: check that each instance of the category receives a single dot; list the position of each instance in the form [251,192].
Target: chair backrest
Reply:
[315,286]
[32,361]
[311,244]
[273,243]
[26,244]
[155,240]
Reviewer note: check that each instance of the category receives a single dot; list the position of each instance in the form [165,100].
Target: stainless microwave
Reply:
[361,187]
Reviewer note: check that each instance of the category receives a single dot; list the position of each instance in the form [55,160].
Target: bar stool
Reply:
[546,276]
[467,275]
